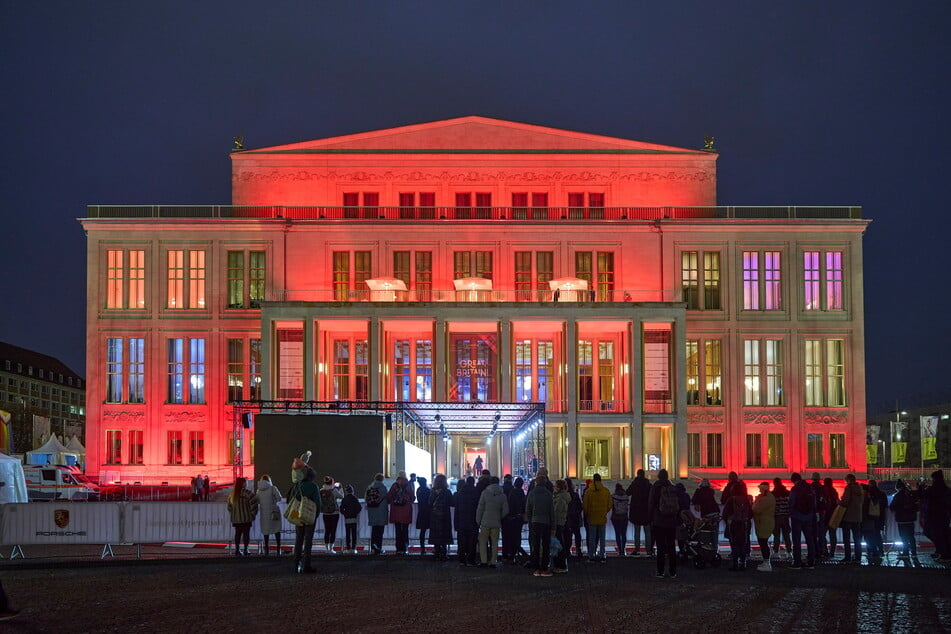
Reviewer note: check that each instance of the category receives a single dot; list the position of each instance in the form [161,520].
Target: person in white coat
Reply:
[269,514]
[493,506]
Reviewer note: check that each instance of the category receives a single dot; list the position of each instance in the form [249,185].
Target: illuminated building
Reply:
[474,259]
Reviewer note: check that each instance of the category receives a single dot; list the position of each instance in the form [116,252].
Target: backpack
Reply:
[741,511]
[669,503]
[805,500]
[399,496]
[373,497]
[327,502]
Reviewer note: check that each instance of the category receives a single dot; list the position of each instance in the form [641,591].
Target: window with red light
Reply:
[412,364]
[464,205]
[246,278]
[113,446]
[704,372]
[175,454]
[597,269]
[754,450]
[426,208]
[196,447]
[415,268]
[533,272]
[125,279]
[535,372]
[537,210]
[586,205]
[472,264]
[597,375]
[361,204]
[185,287]
[290,363]
[136,447]
[351,362]
[656,363]
[244,369]
[351,270]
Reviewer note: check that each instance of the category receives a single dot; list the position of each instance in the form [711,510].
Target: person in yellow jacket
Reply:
[596,503]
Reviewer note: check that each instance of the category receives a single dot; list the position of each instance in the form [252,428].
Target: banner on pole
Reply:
[929,437]
[899,450]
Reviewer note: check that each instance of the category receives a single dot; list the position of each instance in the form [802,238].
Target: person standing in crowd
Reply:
[423,512]
[873,520]
[764,520]
[852,499]
[205,488]
[905,507]
[802,513]
[731,481]
[329,494]
[737,513]
[781,532]
[243,507]
[512,523]
[706,505]
[818,493]
[663,508]
[639,491]
[270,521]
[597,504]
[540,513]
[573,520]
[491,509]
[378,508]
[935,511]
[686,519]
[466,526]
[350,508]
[620,507]
[507,484]
[305,486]
[482,483]
[197,485]
[440,520]
[401,498]
[561,500]
[831,501]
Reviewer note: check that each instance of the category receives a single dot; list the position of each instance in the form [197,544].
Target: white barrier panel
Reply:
[149,522]
[60,523]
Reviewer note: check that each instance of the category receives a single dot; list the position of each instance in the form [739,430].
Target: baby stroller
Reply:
[702,539]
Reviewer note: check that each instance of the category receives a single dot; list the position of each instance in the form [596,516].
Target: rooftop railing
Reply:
[474,295]
[469,214]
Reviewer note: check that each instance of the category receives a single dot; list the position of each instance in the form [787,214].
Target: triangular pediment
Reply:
[472,134]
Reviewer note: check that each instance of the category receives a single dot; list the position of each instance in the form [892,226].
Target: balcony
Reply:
[567,298]
[474,214]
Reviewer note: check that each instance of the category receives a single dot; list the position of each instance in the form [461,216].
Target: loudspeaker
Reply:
[247,419]
[389,421]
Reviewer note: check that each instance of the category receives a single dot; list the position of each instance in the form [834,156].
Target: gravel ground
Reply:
[69,589]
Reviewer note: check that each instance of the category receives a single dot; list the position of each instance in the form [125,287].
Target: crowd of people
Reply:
[798,525]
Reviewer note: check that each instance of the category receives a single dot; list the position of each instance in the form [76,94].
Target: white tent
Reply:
[77,448]
[12,481]
[52,452]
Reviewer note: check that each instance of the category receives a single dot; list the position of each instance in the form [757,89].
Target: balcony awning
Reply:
[472,284]
[386,284]
[474,418]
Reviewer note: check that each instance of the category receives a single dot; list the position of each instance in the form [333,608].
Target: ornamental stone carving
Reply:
[825,417]
[123,416]
[185,417]
[705,418]
[472,176]
[764,418]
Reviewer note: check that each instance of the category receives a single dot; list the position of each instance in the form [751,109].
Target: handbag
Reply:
[836,518]
[302,511]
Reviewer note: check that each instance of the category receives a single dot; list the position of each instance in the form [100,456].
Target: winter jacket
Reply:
[561,500]
[620,506]
[852,499]
[244,507]
[440,519]
[270,519]
[905,506]
[492,507]
[540,507]
[874,522]
[423,510]
[350,508]
[401,513]
[832,501]
[575,510]
[682,496]
[596,503]
[764,514]
[705,501]
[517,503]
[640,491]
[802,489]
[781,493]
[378,516]
[653,503]
[465,503]
[329,494]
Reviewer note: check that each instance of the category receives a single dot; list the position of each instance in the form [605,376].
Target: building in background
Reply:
[478,261]
[40,396]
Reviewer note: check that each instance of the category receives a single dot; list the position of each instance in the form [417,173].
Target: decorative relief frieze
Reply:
[764,418]
[472,176]
[705,418]
[825,417]
[122,416]
[185,417]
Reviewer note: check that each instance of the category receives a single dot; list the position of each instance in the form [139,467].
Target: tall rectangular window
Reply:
[290,364]
[350,369]
[814,459]
[700,270]
[125,279]
[125,370]
[714,450]
[136,446]
[235,370]
[175,360]
[483,205]
[533,272]
[196,447]
[693,450]
[246,278]
[704,372]
[413,369]
[775,455]
[472,264]
[825,373]
[473,367]
[596,375]
[754,450]
[426,208]
[185,279]
[352,207]
[534,366]
[657,397]
[175,455]
[761,280]
[350,273]
[113,446]
[538,209]
[823,275]
[196,370]
[586,205]
[762,372]
[597,269]
[415,268]
[136,384]
[114,367]
[837,451]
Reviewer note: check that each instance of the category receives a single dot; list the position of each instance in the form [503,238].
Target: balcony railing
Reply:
[470,214]
[482,296]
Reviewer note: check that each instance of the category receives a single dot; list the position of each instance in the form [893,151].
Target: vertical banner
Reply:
[899,447]
[872,433]
[6,433]
[929,437]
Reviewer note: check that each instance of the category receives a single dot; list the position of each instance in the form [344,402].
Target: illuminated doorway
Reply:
[658,448]
[596,456]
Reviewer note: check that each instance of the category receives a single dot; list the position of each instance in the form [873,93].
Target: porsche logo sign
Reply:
[61,518]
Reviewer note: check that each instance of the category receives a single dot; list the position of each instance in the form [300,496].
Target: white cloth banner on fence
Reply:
[61,523]
[154,522]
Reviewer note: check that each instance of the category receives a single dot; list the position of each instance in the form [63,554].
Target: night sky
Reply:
[137,103]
